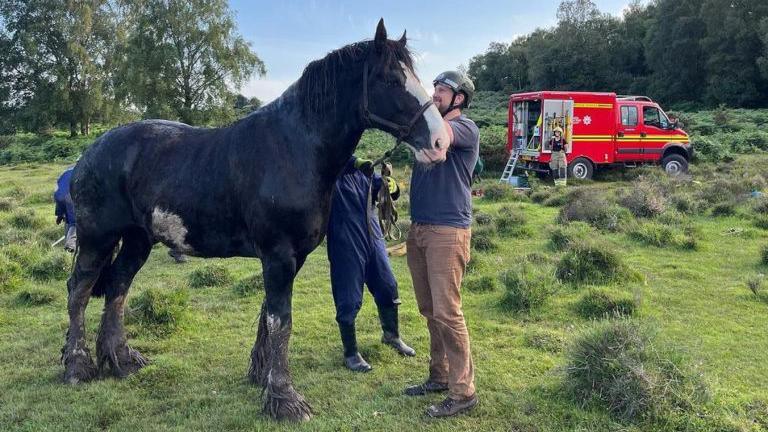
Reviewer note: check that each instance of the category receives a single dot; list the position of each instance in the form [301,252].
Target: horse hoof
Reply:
[78,367]
[289,406]
[123,361]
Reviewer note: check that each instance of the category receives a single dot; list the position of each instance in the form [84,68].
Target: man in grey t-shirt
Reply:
[438,249]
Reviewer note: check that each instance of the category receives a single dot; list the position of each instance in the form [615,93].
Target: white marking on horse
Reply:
[170,229]
[434,120]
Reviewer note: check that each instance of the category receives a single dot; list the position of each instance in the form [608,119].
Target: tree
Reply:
[57,60]
[181,55]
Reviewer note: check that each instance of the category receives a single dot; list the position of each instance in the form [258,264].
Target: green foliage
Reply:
[36,296]
[563,236]
[755,284]
[482,241]
[482,219]
[511,223]
[481,284]
[25,218]
[210,275]
[161,310]
[527,288]
[545,340]
[592,262]
[616,363]
[603,304]
[249,286]
[660,235]
[498,192]
[644,199]
[593,208]
[7,204]
[53,266]
[10,274]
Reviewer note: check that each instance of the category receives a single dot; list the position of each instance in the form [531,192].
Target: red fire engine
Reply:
[600,129]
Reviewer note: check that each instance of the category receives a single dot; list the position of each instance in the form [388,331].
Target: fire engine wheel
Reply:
[674,164]
[580,168]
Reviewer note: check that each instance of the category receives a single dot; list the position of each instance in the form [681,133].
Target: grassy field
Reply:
[694,295]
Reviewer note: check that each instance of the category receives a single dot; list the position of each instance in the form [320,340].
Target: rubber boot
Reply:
[391,333]
[352,359]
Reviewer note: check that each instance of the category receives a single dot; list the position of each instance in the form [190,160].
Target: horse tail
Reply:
[102,283]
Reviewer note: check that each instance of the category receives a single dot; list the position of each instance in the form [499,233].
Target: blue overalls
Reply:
[65,208]
[356,256]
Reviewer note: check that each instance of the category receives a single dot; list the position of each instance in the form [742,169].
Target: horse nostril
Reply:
[437,144]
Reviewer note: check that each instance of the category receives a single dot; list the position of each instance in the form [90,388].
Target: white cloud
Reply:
[265,89]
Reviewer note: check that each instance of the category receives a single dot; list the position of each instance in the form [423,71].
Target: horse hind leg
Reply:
[270,365]
[112,348]
[91,259]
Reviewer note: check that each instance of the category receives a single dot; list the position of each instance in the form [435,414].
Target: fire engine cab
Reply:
[600,129]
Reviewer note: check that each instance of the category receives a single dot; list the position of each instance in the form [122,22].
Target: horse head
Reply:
[395,101]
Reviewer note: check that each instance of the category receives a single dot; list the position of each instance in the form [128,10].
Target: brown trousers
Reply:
[437,257]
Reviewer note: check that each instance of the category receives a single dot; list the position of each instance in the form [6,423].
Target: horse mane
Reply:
[318,83]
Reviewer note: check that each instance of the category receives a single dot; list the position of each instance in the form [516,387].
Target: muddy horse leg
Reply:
[92,257]
[111,344]
[269,357]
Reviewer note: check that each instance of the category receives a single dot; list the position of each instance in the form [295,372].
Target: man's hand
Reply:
[59,219]
[365,166]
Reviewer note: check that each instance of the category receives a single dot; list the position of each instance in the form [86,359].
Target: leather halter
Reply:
[403,130]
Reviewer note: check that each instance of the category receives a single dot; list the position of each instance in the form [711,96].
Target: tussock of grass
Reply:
[210,275]
[24,218]
[659,235]
[616,364]
[593,208]
[482,241]
[53,265]
[603,304]
[483,219]
[10,274]
[498,192]
[249,286]
[527,288]
[7,204]
[544,340]
[481,284]
[161,310]
[644,199]
[592,263]
[476,264]
[36,297]
[562,236]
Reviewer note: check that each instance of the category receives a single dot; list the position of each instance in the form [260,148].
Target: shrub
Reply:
[545,340]
[498,192]
[591,207]
[724,209]
[160,309]
[482,241]
[249,286]
[476,264]
[481,284]
[483,218]
[526,288]
[686,203]
[541,194]
[210,275]
[7,204]
[563,236]
[761,222]
[644,199]
[592,263]
[36,297]
[54,265]
[659,235]
[616,364]
[512,226]
[602,304]
[10,274]
[25,219]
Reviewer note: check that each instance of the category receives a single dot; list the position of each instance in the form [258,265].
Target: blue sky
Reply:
[288,34]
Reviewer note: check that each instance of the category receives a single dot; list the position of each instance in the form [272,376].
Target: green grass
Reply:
[698,300]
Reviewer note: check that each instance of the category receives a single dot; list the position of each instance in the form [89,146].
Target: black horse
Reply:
[258,188]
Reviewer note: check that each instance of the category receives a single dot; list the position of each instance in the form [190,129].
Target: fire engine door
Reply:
[629,146]
[557,113]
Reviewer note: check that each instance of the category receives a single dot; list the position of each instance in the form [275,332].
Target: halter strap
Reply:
[403,130]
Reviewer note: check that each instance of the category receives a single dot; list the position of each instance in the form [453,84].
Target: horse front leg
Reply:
[269,357]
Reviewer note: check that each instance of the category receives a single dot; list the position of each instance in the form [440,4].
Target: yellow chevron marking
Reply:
[593,105]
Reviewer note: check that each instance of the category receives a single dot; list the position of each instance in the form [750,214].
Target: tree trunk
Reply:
[72,128]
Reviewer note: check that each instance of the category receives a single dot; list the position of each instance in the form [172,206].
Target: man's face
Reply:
[442,98]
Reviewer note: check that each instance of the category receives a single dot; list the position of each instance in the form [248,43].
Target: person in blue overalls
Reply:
[65,209]
[358,254]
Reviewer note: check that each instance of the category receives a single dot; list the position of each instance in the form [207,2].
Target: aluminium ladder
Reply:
[511,165]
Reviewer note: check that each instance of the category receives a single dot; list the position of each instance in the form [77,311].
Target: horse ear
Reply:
[381,36]
[403,40]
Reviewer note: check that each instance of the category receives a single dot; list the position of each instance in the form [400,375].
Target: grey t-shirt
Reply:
[441,194]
